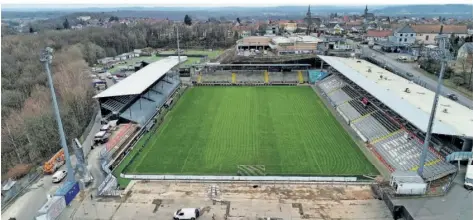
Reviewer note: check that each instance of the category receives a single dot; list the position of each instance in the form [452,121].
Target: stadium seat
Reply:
[403,153]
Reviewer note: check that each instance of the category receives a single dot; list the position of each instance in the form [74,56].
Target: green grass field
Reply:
[132,61]
[212,130]
[211,54]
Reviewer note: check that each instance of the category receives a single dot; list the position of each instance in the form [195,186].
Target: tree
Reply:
[238,20]
[262,29]
[66,24]
[113,18]
[187,20]
[236,36]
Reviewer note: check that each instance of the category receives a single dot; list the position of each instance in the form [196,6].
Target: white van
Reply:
[101,137]
[59,176]
[105,127]
[187,214]
[469,175]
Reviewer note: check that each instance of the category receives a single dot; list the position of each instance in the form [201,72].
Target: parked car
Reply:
[452,97]
[101,137]
[121,75]
[187,214]
[58,176]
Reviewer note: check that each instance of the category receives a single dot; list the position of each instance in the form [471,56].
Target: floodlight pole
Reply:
[428,135]
[46,59]
[178,50]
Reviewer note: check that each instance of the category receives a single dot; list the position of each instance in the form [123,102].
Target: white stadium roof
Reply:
[138,82]
[414,106]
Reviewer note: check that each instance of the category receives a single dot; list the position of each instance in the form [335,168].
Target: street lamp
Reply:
[46,57]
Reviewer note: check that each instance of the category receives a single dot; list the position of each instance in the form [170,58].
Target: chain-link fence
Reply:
[16,188]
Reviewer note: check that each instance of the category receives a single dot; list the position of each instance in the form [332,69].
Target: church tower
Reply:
[308,18]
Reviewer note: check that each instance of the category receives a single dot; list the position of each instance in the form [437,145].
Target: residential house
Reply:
[272,29]
[378,35]
[137,52]
[337,29]
[288,26]
[295,44]
[244,31]
[126,56]
[105,61]
[253,42]
[334,43]
[403,36]
[426,33]
[466,52]
[83,18]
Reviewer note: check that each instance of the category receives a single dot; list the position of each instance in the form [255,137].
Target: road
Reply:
[429,83]
[26,206]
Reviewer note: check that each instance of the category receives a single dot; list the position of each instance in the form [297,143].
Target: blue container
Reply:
[69,191]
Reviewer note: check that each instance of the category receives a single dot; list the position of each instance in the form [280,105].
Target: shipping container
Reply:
[69,191]
[52,208]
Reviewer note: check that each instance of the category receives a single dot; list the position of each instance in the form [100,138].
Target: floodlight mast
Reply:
[178,50]
[46,58]
[443,55]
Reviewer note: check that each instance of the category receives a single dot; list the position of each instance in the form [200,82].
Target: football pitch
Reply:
[268,130]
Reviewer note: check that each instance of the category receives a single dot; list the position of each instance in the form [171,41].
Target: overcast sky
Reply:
[246,3]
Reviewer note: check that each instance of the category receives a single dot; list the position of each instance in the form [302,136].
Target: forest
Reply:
[29,131]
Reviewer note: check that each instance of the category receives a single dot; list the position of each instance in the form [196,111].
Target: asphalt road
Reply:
[26,206]
[411,68]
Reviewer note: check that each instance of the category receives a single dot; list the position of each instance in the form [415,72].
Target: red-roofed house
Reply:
[378,35]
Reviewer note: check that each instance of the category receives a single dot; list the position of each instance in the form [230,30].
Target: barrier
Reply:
[118,137]
[241,178]
[343,115]
[380,158]
[359,133]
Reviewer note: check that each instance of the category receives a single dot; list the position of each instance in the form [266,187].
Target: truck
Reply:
[54,163]
[469,175]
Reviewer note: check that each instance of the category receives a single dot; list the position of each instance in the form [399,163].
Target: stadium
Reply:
[278,122]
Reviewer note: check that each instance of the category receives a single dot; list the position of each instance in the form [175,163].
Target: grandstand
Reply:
[138,97]
[391,113]
[254,74]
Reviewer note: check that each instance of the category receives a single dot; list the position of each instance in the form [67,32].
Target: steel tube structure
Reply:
[443,59]
[46,59]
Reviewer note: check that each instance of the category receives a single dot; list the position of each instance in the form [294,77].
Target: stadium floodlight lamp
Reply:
[443,56]
[46,55]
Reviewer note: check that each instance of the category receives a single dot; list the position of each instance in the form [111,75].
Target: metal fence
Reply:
[90,125]
[242,178]
[21,185]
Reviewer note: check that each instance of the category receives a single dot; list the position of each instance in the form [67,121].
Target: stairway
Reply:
[301,78]
[199,78]
[266,76]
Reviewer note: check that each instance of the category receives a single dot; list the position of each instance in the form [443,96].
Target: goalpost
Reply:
[251,170]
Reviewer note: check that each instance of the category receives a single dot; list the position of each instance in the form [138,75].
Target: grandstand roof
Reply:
[414,106]
[138,82]
[270,64]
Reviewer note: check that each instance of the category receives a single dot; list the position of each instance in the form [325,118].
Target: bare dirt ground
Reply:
[237,201]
